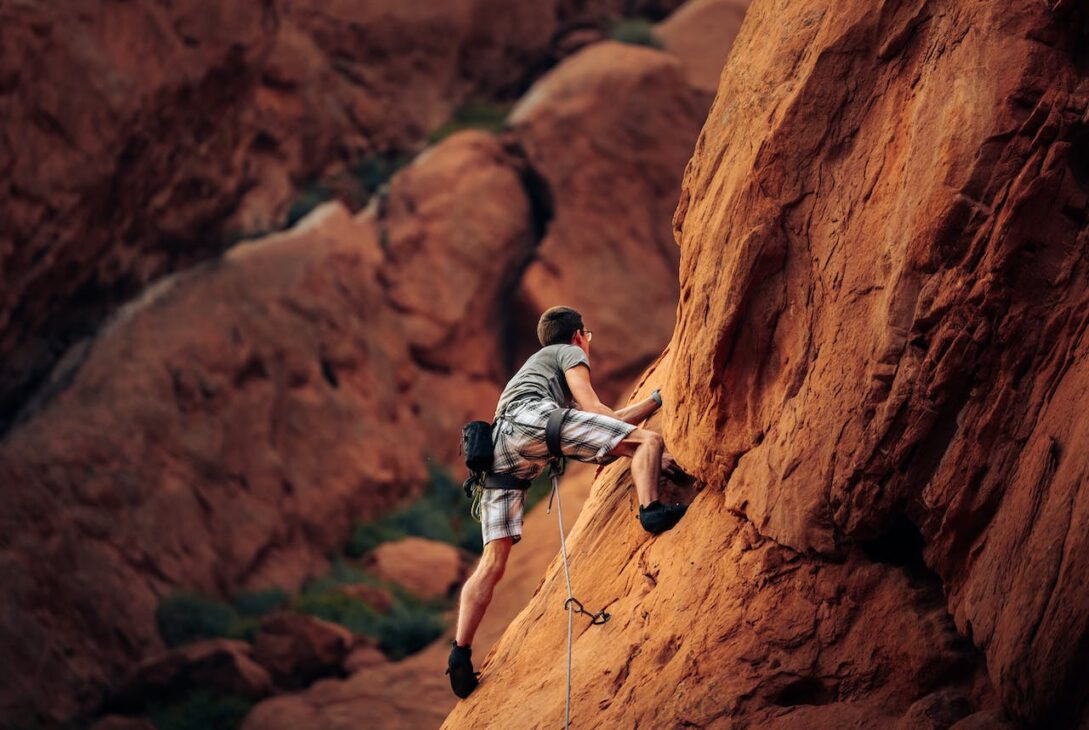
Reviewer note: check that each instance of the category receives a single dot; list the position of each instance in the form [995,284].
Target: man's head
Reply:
[559,326]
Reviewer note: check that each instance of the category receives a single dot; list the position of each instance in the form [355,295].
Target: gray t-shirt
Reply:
[542,377]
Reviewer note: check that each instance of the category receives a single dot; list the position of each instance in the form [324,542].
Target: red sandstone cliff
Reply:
[877,376]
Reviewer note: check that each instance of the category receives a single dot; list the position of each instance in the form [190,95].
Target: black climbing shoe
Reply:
[656,517]
[460,668]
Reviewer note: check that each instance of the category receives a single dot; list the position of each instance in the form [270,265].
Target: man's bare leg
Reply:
[645,448]
[476,594]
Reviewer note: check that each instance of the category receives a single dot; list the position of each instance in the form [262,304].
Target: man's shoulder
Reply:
[556,349]
[552,351]
[569,356]
[560,356]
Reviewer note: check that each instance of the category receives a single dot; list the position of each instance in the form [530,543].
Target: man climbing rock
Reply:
[557,375]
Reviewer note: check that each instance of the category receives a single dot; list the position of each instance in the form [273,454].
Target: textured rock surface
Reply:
[882,307]
[458,229]
[715,625]
[240,415]
[427,568]
[362,656]
[878,360]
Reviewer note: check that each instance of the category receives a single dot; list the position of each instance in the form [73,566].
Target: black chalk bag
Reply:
[476,445]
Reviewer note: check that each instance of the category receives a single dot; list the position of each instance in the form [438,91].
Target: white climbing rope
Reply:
[570,596]
[572,605]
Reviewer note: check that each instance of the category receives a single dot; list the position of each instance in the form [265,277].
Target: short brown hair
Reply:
[558,325]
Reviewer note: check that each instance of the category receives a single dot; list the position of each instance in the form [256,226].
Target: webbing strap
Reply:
[504,481]
[553,427]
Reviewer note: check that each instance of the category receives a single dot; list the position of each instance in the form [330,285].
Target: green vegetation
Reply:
[311,196]
[485,115]
[410,625]
[186,617]
[330,605]
[368,535]
[355,186]
[183,617]
[441,513]
[635,31]
[321,597]
[374,172]
[258,603]
[201,710]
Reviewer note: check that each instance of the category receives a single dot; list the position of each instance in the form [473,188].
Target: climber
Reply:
[557,375]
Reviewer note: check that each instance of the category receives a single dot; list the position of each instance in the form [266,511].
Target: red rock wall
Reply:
[883,301]
[883,305]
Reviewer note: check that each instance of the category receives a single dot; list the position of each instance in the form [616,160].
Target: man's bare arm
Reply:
[578,380]
[637,412]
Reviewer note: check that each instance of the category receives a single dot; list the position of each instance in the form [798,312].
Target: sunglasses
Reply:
[588,335]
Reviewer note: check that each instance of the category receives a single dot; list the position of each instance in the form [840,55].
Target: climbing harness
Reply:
[572,605]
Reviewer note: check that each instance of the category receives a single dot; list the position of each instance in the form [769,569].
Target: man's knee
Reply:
[637,438]
[493,562]
[655,440]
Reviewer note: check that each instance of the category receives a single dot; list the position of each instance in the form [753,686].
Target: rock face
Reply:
[239,417]
[887,322]
[876,376]
[714,624]
[223,432]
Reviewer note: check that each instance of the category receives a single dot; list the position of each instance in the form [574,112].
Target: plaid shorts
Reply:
[518,439]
